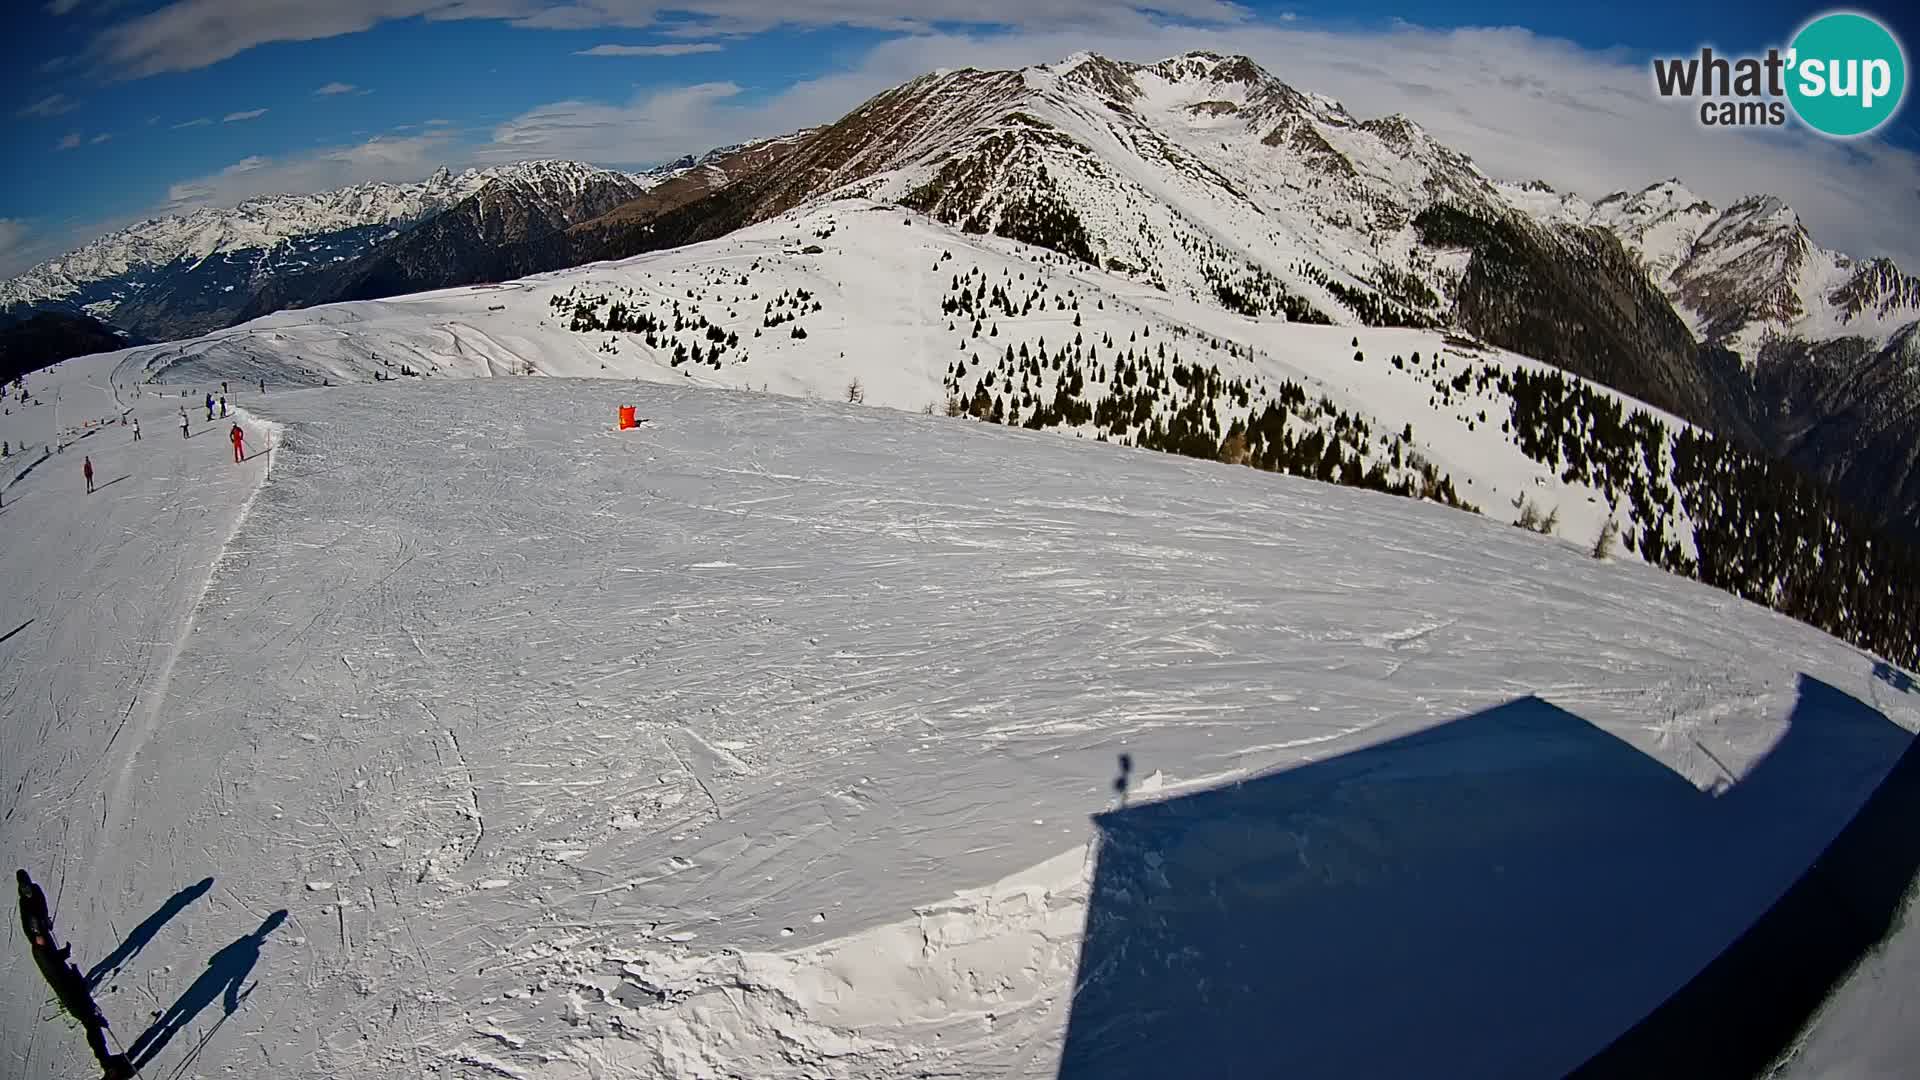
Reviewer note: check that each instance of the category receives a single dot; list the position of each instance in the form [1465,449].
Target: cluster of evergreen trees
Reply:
[1253,290]
[788,307]
[1142,393]
[1372,308]
[665,333]
[1036,212]
[1759,528]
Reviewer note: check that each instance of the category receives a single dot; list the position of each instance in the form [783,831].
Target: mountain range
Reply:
[1201,176]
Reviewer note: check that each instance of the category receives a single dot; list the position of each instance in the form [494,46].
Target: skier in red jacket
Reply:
[239,443]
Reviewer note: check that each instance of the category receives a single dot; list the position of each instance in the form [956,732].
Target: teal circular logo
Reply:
[1847,75]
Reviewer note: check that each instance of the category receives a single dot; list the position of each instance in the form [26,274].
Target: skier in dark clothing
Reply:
[86,467]
[69,985]
[263,386]
[239,438]
[223,408]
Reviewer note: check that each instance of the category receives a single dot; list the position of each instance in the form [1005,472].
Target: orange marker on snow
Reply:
[626,418]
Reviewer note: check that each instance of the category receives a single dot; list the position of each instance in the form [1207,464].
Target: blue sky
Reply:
[118,109]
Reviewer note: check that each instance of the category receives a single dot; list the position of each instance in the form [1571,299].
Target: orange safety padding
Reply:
[626,417]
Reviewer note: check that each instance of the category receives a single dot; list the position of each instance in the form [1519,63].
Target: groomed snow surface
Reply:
[768,740]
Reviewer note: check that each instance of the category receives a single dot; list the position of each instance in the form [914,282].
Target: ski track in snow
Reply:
[760,741]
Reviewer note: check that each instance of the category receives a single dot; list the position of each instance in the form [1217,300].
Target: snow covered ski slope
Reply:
[768,740]
[915,312]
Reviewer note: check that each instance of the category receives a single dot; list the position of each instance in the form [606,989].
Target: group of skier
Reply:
[236,434]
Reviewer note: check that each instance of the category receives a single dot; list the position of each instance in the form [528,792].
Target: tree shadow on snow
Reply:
[226,971]
[1503,895]
[1894,677]
[145,932]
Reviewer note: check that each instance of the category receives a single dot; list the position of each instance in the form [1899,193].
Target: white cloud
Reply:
[438,123]
[22,247]
[189,34]
[333,88]
[62,7]
[100,138]
[50,106]
[250,114]
[653,127]
[687,49]
[68,141]
[201,121]
[1523,106]
[391,160]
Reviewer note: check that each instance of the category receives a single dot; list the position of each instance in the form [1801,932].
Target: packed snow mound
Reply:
[766,739]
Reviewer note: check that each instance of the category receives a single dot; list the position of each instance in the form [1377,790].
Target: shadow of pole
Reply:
[1501,895]
[226,971]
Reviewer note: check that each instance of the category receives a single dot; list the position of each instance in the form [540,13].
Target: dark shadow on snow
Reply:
[145,932]
[1503,895]
[1738,1015]
[1894,677]
[112,482]
[226,971]
[9,634]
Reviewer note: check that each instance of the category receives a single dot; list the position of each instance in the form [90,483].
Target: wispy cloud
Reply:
[187,34]
[49,106]
[378,159]
[653,127]
[19,247]
[250,114]
[68,141]
[678,49]
[13,233]
[100,138]
[333,88]
[198,121]
[62,7]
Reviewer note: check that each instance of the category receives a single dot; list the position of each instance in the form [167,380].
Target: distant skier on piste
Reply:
[239,438]
[86,468]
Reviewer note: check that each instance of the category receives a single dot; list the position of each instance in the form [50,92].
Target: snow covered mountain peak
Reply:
[1743,274]
[107,272]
